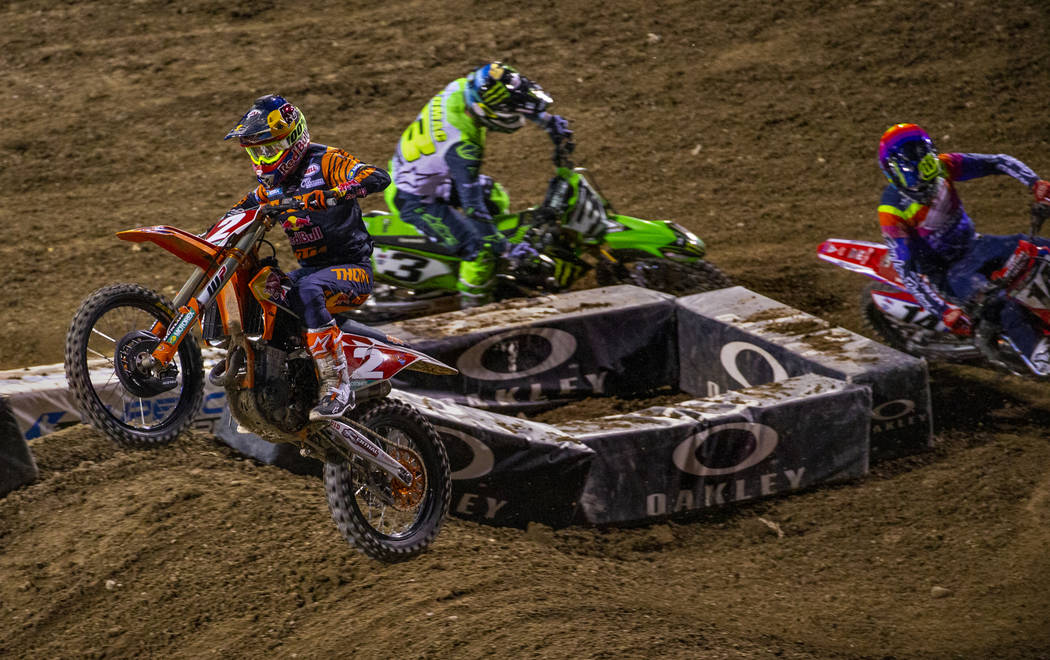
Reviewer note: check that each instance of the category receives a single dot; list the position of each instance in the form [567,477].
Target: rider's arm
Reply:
[464,165]
[555,125]
[900,237]
[961,167]
[342,170]
[251,200]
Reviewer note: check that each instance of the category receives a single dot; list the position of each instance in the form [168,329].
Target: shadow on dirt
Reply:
[976,399]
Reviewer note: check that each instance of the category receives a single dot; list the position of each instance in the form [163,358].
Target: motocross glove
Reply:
[957,321]
[350,190]
[1041,191]
[518,252]
[558,128]
[315,200]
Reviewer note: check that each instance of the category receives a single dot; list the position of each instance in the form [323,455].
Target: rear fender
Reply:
[370,359]
[382,224]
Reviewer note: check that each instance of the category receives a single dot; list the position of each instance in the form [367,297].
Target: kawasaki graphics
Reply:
[574,231]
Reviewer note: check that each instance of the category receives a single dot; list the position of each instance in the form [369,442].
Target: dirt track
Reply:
[753,125]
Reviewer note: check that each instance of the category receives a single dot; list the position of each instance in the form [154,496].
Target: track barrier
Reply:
[735,338]
[800,403]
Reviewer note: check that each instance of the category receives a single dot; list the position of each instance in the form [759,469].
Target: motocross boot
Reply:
[1039,358]
[476,279]
[1031,347]
[326,347]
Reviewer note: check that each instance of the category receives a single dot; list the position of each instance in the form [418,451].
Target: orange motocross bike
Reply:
[135,366]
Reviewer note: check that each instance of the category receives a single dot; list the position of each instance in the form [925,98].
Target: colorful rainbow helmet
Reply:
[500,98]
[274,134]
[909,160]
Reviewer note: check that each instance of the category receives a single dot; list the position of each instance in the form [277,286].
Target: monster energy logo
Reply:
[495,94]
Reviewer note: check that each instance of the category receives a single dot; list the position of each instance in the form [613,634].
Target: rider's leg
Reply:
[439,221]
[968,279]
[477,278]
[317,293]
[968,276]
[326,348]
[473,241]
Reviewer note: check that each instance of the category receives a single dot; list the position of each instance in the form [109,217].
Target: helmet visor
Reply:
[267,154]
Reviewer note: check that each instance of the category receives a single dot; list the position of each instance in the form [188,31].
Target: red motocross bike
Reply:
[136,369]
[904,324]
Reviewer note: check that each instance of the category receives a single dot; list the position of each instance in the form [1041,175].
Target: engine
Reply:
[285,390]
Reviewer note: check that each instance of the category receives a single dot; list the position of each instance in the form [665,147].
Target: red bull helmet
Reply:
[274,134]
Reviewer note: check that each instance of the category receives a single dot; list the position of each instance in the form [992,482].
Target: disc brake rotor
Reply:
[410,496]
[133,360]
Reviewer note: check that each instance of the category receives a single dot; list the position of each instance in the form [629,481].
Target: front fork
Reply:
[194,296]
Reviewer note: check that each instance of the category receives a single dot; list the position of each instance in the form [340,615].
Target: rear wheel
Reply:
[106,361]
[919,338]
[377,514]
[676,278]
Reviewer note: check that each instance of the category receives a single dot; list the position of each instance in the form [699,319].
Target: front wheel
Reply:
[108,349]
[374,512]
[676,278]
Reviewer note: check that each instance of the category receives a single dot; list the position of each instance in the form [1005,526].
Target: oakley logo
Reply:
[481,457]
[517,354]
[730,355]
[756,440]
[891,410]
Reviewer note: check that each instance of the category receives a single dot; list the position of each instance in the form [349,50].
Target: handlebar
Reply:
[283,204]
[304,202]
[1040,213]
[562,151]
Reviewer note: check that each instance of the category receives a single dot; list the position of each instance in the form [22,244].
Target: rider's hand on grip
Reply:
[558,128]
[315,200]
[349,189]
[518,252]
[957,321]
[284,204]
[1041,191]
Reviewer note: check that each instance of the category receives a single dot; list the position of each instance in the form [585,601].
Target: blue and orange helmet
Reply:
[500,98]
[274,134]
[909,160]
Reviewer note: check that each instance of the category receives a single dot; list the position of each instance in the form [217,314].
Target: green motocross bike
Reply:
[574,231]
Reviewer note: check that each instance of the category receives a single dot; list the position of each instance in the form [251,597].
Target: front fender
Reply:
[655,237]
[184,245]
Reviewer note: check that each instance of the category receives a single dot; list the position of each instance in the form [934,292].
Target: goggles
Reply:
[269,153]
[911,174]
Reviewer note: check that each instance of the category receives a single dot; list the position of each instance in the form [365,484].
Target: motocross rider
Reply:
[934,245]
[328,237]
[437,164]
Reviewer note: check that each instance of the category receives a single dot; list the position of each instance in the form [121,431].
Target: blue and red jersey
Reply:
[926,238]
